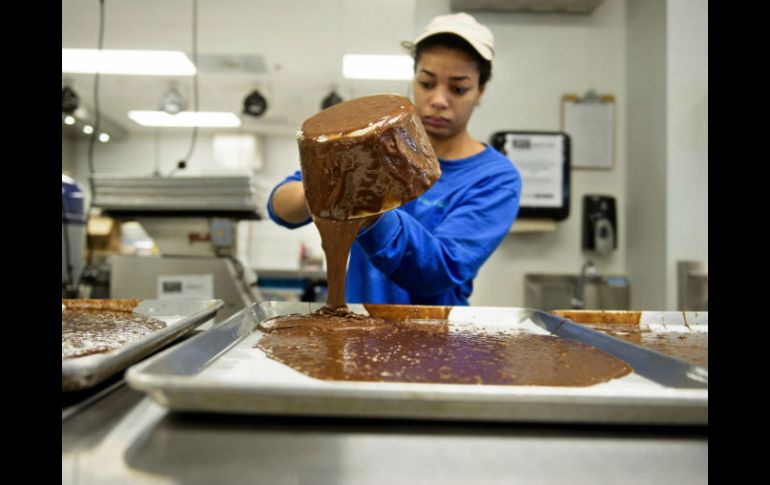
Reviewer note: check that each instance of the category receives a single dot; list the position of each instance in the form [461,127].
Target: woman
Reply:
[428,251]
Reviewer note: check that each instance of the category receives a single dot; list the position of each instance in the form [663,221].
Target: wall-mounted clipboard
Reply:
[590,122]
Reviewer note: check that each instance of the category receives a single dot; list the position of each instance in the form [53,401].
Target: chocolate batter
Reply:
[336,239]
[428,352]
[364,157]
[692,347]
[87,331]
[360,158]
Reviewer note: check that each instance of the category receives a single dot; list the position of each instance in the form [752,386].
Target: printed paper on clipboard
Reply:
[590,123]
[543,160]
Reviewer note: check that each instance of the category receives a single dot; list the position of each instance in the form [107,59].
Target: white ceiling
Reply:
[300,42]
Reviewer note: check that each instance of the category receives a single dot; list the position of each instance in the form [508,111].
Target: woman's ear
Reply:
[478,100]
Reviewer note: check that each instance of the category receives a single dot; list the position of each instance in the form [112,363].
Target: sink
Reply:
[556,292]
[693,285]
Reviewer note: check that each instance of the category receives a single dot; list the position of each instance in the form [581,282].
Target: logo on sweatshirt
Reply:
[432,202]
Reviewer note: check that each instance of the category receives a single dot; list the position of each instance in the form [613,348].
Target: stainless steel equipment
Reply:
[167,277]
[693,285]
[192,220]
[180,316]
[559,291]
[222,371]
[178,195]
[125,437]
[73,227]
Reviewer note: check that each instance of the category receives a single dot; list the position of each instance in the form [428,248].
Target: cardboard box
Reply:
[104,234]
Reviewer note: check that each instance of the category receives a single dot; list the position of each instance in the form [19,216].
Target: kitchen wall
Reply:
[687,137]
[619,49]
[538,59]
[668,144]
[143,154]
[272,246]
[646,208]
[67,155]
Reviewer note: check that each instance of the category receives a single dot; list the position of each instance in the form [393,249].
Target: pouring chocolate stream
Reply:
[361,158]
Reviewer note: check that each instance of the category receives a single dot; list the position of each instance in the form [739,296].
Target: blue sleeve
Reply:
[427,264]
[296,177]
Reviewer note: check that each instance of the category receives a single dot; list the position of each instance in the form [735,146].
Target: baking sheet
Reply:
[221,371]
[180,316]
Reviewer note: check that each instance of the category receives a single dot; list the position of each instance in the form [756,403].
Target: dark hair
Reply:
[453,41]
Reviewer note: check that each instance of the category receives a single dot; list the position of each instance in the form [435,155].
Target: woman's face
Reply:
[446,89]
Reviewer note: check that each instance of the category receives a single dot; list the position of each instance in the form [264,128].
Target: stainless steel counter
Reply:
[127,438]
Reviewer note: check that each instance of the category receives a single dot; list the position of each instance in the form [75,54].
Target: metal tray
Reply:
[221,371]
[181,316]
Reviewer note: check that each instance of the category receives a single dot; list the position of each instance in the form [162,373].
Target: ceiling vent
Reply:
[232,64]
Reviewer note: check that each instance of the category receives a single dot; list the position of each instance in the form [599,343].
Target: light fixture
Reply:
[364,66]
[201,119]
[173,102]
[254,104]
[88,129]
[69,120]
[69,100]
[331,99]
[104,137]
[132,62]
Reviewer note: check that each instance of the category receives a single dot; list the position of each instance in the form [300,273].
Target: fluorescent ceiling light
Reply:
[185,118]
[88,129]
[104,137]
[364,66]
[69,120]
[110,61]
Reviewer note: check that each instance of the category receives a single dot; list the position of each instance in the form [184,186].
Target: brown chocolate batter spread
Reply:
[427,351]
[90,330]
[121,305]
[691,346]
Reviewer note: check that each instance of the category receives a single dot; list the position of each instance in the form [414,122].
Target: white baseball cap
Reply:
[462,25]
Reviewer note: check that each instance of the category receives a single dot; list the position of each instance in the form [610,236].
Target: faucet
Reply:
[588,269]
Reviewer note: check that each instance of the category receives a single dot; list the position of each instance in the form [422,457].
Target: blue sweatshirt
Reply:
[428,251]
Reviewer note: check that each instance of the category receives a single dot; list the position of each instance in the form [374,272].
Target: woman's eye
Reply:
[460,90]
[424,84]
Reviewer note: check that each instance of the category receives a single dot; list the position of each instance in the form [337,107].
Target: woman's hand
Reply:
[289,203]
